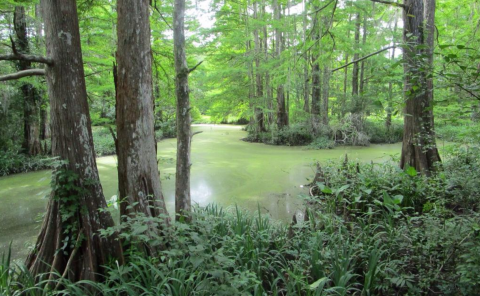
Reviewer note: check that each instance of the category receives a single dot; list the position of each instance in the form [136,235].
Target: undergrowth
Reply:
[351,131]
[369,230]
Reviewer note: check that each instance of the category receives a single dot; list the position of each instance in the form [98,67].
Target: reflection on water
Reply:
[225,170]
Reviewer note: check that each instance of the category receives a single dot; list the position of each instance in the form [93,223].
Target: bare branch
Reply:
[196,133]
[14,47]
[195,67]
[390,3]
[321,8]
[161,15]
[28,58]
[21,74]
[365,57]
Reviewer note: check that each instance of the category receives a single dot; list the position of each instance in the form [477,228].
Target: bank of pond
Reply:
[369,229]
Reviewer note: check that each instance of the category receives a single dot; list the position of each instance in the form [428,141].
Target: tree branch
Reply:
[390,3]
[21,74]
[161,15]
[321,8]
[364,58]
[28,58]
[195,67]
[196,133]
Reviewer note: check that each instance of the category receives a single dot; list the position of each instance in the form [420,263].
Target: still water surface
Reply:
[225,170]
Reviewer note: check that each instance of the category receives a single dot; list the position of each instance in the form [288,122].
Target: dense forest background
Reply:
[267,64]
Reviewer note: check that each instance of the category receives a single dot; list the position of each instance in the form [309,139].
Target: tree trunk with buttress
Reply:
[419,148]
[69,242]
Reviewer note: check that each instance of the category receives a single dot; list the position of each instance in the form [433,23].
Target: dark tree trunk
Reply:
[259,118]
[316,94]
[316,76]
[138,175]
[282,116]
[419,148]
[268,88]
[325,94]
[306,86]
[44,120]
[31,97]
[184,133]
[74,213]
[306,89]
[362,64]
[357,108]
[343,106]
[388,120]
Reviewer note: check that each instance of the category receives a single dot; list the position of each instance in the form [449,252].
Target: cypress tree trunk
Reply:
[184,134]
[388,120]
[343,106]
[357,108]
[44,120]
[362,64]
[268,87]
[73,214]
[419,148]
[282,116]
[258,75]
[316,76]
[138,175]
[325,94]
[32,100]
[306,89]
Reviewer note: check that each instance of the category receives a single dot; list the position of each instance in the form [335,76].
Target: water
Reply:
[225,170]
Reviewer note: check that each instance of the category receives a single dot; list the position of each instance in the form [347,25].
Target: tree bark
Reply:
[316,76]
[184,133]
[388,120]
[268,87]
[72,142]
[325,94]
[306,89]
[362,64]
[343,106]
[419,148]
[357,108]
[282,116]
[259,118]
[31,98]
[138,175]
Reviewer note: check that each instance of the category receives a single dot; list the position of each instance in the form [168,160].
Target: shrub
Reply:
[321,142]
[231,252]
[103,141]
[293,135]
[379,134]
[12,162]
[459,133]
[168,129]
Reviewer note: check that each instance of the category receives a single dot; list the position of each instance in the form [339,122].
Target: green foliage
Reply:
[357,189]
[467,133]
[98,120]
[166,129]
[293,135]
[380,134]
[195,114]
[12,162]
[369,230]
[103,141]
[321,142]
